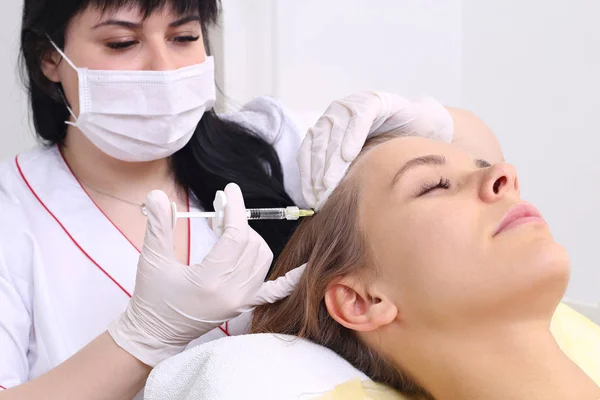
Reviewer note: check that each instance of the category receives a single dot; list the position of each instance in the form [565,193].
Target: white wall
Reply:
[311,52]
[245,59]
[328,49]
[531,69]
[15,135]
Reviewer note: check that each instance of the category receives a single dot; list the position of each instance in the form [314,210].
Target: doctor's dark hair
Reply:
[333,246]
[219,152]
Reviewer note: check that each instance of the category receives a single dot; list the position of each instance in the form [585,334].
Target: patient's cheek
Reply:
[427,253]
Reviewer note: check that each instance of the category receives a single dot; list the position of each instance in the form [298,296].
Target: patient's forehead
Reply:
[383,160]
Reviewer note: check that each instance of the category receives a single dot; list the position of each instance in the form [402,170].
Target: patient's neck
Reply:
[503,362]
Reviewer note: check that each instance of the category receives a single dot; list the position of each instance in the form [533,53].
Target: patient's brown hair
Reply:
[332,244]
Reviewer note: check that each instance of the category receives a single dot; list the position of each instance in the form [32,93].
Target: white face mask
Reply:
[142,115]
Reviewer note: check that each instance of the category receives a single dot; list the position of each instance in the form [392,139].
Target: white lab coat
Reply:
[66,271]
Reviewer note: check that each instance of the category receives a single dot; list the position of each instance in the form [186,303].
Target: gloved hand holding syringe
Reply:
[289,213]
[161,321]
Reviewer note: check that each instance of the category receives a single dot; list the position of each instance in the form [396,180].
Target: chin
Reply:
[549,274]
[551,257]
[535,246]
[538,272]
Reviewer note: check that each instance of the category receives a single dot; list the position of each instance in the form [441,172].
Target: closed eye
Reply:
[188,38]
[130,43]
[122,45]
[443,183]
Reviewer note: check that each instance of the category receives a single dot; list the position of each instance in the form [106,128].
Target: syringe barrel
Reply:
[265,213]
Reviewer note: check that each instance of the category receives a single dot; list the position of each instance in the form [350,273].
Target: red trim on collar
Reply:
[66,231]
[2,387]
[226,330]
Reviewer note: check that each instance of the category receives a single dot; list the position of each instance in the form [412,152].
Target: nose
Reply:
[158,57]
[500,180]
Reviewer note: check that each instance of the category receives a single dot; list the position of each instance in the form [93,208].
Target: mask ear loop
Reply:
[62,93]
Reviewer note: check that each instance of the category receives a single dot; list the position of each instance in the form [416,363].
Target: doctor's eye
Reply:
[443,183]
[186,39]
[122,45]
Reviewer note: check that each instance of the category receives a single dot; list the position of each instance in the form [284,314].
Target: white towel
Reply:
[260,366]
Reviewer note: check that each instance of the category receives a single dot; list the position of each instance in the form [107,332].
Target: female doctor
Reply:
[121,94]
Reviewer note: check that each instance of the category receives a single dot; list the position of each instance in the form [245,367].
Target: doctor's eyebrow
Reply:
[431,159]
[138,25]
[185,20]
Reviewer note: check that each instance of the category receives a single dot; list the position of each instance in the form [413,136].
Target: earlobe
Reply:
[50,63]
[358,308]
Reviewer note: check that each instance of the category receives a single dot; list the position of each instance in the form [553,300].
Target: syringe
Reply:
[289,213]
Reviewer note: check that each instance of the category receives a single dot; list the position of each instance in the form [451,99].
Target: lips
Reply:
[520,214]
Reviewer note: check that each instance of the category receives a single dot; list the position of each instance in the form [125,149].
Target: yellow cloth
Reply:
[579,339]
[576,335]
[362,390]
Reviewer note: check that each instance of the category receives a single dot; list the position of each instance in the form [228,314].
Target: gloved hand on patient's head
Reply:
[337,138]
[173,304]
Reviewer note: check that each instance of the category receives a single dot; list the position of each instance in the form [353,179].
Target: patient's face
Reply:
[430,213]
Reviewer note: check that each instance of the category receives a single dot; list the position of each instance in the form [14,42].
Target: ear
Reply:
[358,307]
[50,63]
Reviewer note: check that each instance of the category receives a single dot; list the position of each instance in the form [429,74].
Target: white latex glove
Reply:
[173,304]
[339,135]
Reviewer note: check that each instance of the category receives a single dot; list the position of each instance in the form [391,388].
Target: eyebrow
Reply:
[430,160]
[138,25]
[185,20]
[480,163]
